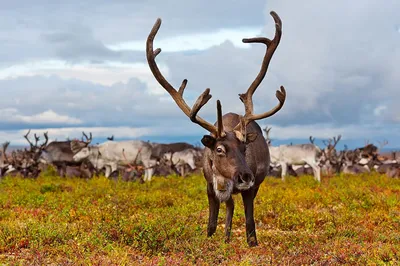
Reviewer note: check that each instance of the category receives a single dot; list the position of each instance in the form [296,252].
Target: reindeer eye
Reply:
[220,150]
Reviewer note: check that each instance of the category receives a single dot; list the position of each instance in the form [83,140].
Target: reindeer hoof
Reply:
[252,241]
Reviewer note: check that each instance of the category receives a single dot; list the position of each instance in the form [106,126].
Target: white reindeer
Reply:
[298,154]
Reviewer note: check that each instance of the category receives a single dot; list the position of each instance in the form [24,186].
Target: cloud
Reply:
[194,41]
[46,117]
[337,60]
[106,73]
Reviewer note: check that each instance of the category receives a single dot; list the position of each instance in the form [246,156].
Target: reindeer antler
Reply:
[88,139]
[247,98]
[131,167]
[177,95]
[4,158]
[37,138]
[26,137]
[312,139]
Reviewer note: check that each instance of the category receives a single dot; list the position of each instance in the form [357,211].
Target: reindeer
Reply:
[29,165]
[350,162]
[182,158]
[297,154]
[61,153]
[330,161]
[236,157]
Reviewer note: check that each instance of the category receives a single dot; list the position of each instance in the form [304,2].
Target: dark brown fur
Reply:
[255,159]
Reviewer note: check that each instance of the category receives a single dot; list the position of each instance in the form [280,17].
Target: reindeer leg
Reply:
[108,171]
[230,207]
[316,171]
[284,170]
[248,201]
[150,172]
[213,206]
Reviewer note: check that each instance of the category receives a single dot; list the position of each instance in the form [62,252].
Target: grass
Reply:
[343,220]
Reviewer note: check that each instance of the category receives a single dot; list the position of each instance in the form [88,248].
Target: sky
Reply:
[73,66]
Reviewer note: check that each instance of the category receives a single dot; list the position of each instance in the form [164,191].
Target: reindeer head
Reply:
[77,145]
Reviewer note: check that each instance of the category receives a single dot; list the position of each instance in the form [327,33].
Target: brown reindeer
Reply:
[29,166]
[236,158]
[61,153]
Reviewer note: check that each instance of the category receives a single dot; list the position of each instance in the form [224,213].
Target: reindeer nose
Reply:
[245,178]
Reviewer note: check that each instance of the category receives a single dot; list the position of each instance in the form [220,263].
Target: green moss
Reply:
[343,220]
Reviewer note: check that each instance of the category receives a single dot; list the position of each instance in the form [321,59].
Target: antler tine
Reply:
[247,98]
[26,137]
[36,139]
[88,139]
[312,140]
[327,142]
[336,140]
[3,154]
[220,126]
[176,95]
[46,137]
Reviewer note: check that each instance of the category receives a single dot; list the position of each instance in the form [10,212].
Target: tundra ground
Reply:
[343,220]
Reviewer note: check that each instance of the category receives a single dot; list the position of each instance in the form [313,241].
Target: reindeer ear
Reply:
[250,137]
[208,141]
[239,135]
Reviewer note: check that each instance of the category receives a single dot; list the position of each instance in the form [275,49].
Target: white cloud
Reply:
[324,131]
[47,117]
[195,41]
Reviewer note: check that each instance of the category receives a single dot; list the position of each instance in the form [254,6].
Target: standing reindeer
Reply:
[236,158]
[297,154]
[331,162]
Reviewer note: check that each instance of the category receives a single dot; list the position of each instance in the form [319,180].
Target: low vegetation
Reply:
[343,220]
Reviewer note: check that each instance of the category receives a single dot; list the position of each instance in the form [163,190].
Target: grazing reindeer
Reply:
[350,163]
[110,138]
[236,158]
[182,158]
[298,154]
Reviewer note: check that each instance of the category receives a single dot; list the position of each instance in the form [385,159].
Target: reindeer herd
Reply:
[310,159]
[77,158]
[236,158]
